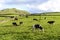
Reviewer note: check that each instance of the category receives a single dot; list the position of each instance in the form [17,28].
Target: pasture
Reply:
[24,31]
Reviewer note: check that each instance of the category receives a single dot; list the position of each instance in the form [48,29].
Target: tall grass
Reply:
[24,31]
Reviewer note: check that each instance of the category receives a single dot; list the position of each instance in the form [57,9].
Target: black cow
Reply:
[35,19]
[21,22]
[15,24]
[37,26]
[12,17]
[50,22]
[15,18]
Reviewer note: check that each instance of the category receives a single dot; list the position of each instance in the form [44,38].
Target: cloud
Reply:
[48,6]
[51,5]
[1,3]
[29,5]
[34,2]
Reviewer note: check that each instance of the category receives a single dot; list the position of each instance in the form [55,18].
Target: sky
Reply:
[33,6]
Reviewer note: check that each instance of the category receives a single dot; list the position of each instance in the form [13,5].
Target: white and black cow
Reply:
[37,26]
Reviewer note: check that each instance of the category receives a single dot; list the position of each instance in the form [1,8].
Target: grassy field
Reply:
[24,31]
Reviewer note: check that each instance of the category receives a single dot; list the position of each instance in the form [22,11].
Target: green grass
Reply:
[24,31]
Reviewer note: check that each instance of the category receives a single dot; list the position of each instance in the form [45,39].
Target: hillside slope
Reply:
[52,13]
[47,13]
[13,11]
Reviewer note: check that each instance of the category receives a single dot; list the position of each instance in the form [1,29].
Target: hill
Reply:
[52,13]
[13,11]
[48,13]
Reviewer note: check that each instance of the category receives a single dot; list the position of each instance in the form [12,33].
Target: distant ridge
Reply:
[13,11]
[48,13]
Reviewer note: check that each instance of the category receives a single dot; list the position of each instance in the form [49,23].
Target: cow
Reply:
[21,23]
[35,19]
[12,17]
[37,26]
[50,22]
[15,18]
[15,24]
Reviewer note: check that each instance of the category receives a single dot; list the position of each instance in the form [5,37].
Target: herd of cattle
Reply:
[35,26]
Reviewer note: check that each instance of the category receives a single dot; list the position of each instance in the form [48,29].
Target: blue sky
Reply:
[33,6]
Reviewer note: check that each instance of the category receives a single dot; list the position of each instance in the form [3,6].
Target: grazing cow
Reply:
[50,22]
[37,26]
[15,24]
[15,18]
[21,22]
[12,17]
[35,19]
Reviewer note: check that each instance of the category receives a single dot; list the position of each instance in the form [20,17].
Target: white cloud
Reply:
[50,5]
[53,5]
[1,3]
[30,6]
